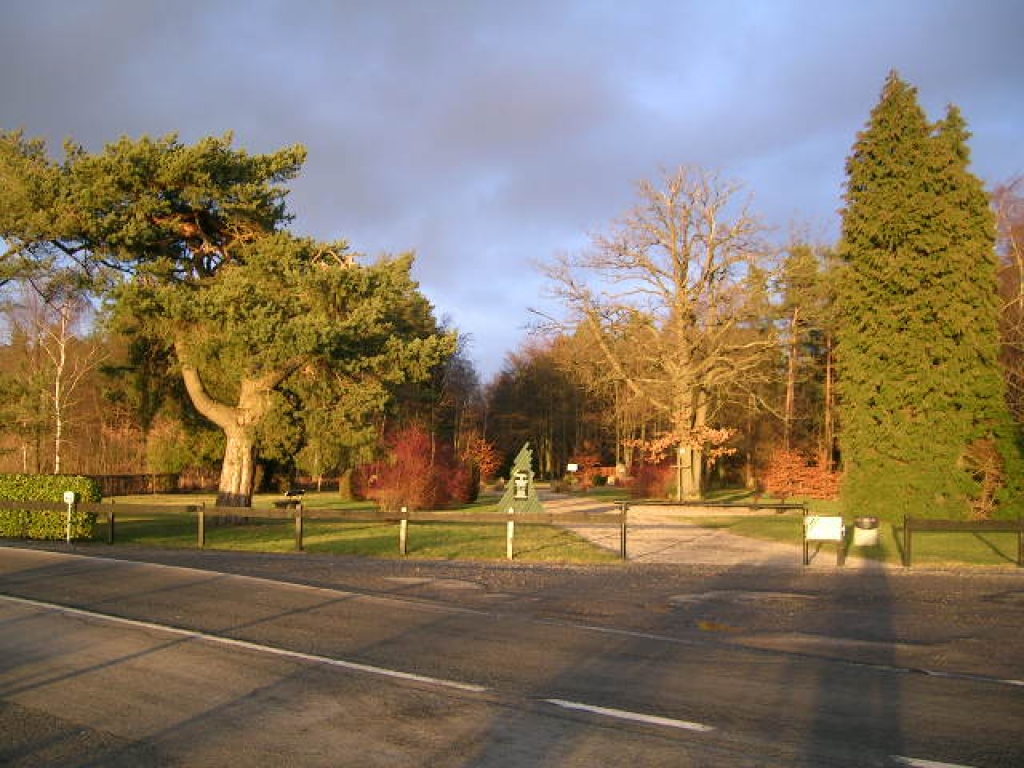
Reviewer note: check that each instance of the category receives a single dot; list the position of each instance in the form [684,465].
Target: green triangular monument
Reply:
[521,493]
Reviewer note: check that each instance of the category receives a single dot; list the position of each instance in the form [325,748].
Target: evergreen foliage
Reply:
[46,524]
[805,309]
[189,242]
[918,345]
[18,487]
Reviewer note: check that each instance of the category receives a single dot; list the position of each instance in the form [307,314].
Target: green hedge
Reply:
[43,524]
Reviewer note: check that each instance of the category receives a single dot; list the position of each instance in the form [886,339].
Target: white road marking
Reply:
[890,668]
[308,657]
[297,586]
[918,763]
[427,605]
[636,717]
[619,714]
[975,678]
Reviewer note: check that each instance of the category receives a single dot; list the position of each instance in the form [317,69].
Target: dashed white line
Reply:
[636,717]
[916,762]
[448,608]
[191,634]
[267,649]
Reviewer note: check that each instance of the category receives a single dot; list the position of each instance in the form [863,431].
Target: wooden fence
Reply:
[913,525]
[777,506]
[128,485]
[294,510]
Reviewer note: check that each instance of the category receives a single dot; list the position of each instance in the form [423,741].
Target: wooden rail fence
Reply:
[293,509]
[912,525]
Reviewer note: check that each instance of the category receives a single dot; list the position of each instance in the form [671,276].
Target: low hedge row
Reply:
[47,524]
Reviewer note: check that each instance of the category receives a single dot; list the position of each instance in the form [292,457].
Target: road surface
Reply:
[205,658]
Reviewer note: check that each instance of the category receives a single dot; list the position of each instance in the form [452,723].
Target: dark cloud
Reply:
[487,135]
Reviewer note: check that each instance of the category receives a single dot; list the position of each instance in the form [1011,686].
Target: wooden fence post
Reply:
[1020,542]
[510,533]
[908,538]
[804,511]
[110,523]
[622,532]
[403,535]
[298,526]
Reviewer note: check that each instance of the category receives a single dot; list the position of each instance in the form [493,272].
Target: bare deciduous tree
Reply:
[52,314]
[1009,204]
[667,295]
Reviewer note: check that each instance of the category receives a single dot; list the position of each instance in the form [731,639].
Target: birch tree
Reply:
[70,362]
[49,318]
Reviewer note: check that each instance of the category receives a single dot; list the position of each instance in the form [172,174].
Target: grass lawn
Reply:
[948,549]
[441,541]
[449,541]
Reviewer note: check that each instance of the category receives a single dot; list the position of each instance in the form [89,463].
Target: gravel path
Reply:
[655,535]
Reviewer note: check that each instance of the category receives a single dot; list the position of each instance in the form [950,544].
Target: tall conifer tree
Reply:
[923,404]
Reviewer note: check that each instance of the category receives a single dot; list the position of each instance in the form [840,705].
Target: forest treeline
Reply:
[160,317]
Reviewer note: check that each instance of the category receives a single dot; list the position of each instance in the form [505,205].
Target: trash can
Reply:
[865,532]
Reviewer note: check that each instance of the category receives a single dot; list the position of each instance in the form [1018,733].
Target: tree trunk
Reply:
[58,422]
[688,472]
[58,353]
[238,473]
[790,410]
[828,427]
[749,474]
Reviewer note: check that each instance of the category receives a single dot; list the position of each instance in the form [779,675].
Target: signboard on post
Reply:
[71,499]
[824,528]
[521,493]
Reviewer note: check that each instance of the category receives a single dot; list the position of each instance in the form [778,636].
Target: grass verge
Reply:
[936,549]
[440,541]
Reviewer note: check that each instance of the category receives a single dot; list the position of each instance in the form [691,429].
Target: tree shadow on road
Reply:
[790,667]
[847,675]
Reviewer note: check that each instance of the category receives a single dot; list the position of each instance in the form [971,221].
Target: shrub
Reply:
[589,462]
[483,456]
[463,484]
[652,481]
[417,475]
[790,473]
[47,524]
[985,463]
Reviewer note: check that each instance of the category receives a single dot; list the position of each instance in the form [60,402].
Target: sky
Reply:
[488,136]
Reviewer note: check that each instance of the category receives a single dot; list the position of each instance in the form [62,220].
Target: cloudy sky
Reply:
[488,135]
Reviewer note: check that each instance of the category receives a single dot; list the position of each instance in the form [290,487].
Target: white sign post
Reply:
[70,497]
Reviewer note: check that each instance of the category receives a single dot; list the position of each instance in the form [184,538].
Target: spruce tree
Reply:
[923,403]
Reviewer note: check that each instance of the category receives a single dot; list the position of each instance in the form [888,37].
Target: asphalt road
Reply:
[114,656]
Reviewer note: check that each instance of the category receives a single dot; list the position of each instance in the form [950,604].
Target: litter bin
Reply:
[865,532]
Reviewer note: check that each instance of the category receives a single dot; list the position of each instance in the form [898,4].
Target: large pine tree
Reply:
[923,406]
